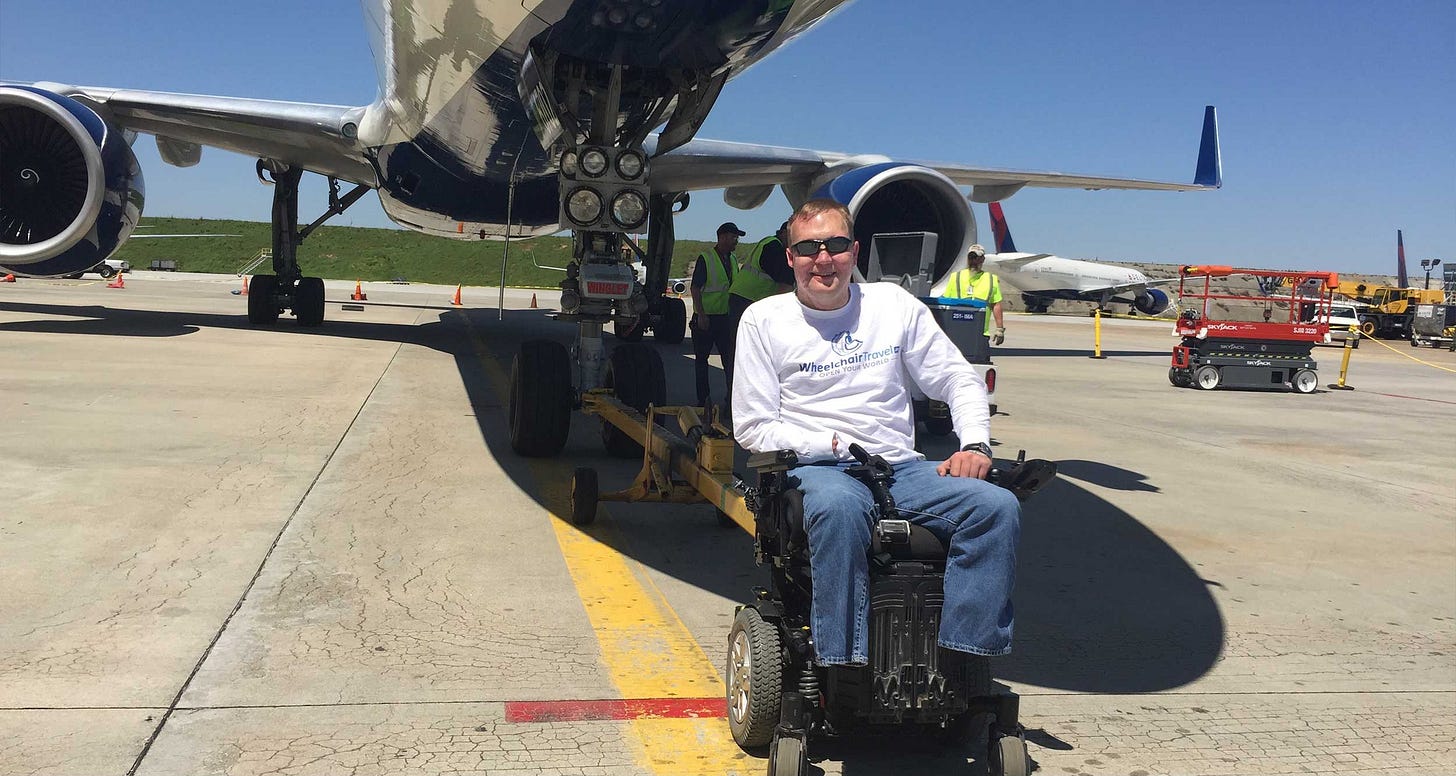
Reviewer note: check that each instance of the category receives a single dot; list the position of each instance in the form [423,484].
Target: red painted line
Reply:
[628,708]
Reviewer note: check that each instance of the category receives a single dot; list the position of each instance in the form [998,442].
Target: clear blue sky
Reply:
[1338,118]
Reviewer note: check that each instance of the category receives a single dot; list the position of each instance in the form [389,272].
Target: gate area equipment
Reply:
[1221,351]
[907,259]
[1434,325]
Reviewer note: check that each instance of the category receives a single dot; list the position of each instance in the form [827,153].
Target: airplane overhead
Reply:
[496,119]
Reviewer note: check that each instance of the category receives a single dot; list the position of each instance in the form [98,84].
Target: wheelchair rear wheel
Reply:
[755,679]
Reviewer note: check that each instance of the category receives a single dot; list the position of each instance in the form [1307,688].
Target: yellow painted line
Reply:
[647,650]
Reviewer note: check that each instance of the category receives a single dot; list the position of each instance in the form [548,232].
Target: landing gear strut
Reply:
[601,128]
[287,288]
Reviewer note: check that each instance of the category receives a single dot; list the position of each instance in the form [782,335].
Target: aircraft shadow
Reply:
[1102,603]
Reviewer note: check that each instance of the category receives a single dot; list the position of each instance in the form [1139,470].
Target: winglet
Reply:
[1210,165]
[1000,230]
[1401,277]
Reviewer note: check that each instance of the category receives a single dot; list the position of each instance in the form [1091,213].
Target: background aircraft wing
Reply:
[316,137]
[1013,259]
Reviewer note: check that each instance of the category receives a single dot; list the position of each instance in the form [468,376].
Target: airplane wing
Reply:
[316,137]
[749,171]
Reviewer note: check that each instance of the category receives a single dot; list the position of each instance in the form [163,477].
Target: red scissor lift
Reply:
[1265,354]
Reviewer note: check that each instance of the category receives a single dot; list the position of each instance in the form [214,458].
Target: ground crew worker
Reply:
[973,283]
[764,273]
[711,324]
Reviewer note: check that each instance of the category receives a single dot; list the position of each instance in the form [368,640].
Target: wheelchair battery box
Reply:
[966,327]
[906,680]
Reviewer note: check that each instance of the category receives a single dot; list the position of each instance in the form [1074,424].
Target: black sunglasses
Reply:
[807,248]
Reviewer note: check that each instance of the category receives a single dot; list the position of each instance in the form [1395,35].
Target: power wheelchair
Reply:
[777,696]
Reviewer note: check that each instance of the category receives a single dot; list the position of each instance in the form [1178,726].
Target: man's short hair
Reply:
[816,207]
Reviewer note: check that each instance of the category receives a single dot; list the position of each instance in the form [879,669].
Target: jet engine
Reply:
[71,190]
[1151,301]
[901,197]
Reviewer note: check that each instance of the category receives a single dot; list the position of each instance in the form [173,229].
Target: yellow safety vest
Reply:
[719,279]
[984,287]
[751,282]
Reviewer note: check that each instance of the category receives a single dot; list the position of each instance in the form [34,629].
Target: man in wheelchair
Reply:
[910,563]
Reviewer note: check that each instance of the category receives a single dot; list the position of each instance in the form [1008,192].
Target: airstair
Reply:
[263,255]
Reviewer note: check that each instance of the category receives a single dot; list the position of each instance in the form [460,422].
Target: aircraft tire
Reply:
[540,400]
[262,307]
[673,325]
[634,372]
[308,302]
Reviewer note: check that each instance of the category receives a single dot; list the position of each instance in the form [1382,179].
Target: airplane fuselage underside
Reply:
[453,126]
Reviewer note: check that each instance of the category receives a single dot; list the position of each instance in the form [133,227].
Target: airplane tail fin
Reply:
[1401,279]
[1000,230]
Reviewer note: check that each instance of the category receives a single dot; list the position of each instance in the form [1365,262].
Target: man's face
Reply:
[974,261]
[823,279]
[727,241]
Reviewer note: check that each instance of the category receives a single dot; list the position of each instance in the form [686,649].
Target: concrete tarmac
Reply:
[240,550]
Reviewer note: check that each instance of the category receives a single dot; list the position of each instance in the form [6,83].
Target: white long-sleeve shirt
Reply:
[802,375]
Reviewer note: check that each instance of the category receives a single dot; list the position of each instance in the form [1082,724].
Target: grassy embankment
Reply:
[348,253]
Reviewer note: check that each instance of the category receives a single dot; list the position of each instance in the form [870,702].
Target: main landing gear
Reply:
[287,288]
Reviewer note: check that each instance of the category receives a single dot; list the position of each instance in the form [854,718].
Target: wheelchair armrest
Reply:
[771,461]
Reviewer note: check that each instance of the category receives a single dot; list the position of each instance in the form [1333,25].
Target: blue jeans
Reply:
[979,522]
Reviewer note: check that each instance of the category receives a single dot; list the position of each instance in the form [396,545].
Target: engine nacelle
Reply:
[900,197]
[1151,302]
[71,190]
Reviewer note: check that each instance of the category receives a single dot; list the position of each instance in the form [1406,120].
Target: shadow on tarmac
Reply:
[1102,603]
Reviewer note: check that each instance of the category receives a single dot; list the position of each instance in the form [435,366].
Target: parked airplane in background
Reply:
[499,119]
[1043,278]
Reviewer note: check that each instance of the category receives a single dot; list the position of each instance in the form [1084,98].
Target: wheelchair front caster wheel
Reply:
[1008,756]
[584,493]
[786,756]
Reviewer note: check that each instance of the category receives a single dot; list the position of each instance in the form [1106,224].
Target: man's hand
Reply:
[702,320]
[966,463]
[1000,335]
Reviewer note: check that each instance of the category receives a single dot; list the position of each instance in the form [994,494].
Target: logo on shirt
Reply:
[844,343]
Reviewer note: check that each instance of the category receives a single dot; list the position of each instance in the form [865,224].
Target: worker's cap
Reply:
[730,227]
[976,250]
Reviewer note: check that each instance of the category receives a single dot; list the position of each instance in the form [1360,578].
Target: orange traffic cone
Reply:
[245,285]
[533,302]
[120,282]
[9,278]
[456,301]
[358,294]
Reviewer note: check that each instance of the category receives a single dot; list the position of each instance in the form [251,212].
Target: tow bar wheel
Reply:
[584,495]
[1207,377]
[1305,381]
[755,679]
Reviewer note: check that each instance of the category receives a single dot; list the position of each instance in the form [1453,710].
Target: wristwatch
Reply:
[979,447]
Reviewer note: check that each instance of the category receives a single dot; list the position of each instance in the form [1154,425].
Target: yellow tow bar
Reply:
[692,467]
